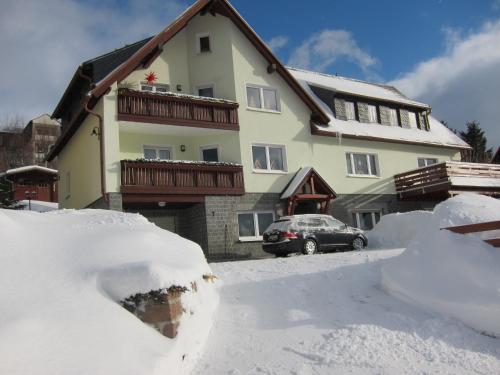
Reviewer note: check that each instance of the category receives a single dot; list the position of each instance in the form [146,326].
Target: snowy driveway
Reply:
[326,314]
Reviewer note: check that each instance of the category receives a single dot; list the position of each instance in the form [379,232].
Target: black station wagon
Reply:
[309,234]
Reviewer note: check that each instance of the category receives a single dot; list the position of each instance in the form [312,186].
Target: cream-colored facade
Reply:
[232,63]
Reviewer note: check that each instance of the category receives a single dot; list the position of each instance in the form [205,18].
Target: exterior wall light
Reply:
[96,132]
[183,148]
[179,87]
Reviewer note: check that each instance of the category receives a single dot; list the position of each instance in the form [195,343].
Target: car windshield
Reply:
[332,222]
[281,225]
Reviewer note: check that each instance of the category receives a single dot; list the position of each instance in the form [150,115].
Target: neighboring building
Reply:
[205,132]
[12,152]
[39,135]
[32,182]
[29,146]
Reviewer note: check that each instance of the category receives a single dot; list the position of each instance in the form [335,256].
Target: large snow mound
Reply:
[61,275]
[453,274]
[395,231]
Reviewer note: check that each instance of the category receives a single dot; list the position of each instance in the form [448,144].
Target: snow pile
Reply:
[456,275]
[61,275]
[395,231]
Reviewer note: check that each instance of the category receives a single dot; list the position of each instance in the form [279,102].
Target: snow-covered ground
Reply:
[327,314]
[453,274]
[62,275]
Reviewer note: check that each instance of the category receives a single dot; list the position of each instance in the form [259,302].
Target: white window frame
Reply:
[198,42]
[368,106]
[157,148]
[210,147]
[205,86]
[396,120]
[261,89]
[415,116]
[349,103]
[268,160]
[372,212]
[255,224]
[154,87]
[426,162]
[354,174]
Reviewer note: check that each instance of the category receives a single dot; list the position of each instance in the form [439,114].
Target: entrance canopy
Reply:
[308,189]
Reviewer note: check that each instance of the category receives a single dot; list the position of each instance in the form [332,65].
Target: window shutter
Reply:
[422,119]
[340,109]
[385,116]
[405,118]
[363,112]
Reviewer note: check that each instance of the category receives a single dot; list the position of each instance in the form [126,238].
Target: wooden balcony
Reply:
[447,179]
[172,109]
[178,181]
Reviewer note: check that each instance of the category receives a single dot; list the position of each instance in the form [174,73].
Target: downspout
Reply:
[100,136]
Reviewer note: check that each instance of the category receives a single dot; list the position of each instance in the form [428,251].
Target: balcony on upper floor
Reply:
[177,109]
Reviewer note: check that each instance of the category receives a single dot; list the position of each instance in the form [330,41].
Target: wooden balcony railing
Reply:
[171,109]
[181,178]
[447,177]
[479,227]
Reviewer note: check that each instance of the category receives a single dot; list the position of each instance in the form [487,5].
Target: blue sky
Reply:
[444,52]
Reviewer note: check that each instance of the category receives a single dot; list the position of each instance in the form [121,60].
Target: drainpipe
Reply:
[100,136]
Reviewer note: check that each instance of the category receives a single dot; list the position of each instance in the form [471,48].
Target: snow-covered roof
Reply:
[354,87]
[30,168]
[437,135]
[296,180]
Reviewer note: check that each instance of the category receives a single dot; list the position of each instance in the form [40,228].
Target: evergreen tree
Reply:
[475,137]
[6,200]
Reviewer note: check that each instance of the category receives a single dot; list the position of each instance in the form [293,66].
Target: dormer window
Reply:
[412,120]
[372,113]
[349,111]
[393,117]
[203,43]
[155,87]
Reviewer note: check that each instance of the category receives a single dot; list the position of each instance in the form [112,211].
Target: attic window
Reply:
[203,43]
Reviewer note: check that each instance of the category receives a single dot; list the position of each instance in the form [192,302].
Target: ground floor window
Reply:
[366,220]
[424,162]
[251,225]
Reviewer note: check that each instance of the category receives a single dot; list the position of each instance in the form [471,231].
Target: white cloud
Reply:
[277,42]
[463,84]
[42,43]
[322,50]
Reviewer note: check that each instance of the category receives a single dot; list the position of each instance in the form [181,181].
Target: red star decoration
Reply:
[150,77]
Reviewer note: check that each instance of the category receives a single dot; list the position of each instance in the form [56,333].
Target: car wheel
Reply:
[310,247]
[358,243]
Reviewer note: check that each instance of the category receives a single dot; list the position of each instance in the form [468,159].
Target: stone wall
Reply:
[222,223]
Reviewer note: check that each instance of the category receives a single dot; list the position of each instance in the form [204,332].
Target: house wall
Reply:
[81,158]
[132,144]
[291,128]
[215,67]
[170,67]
